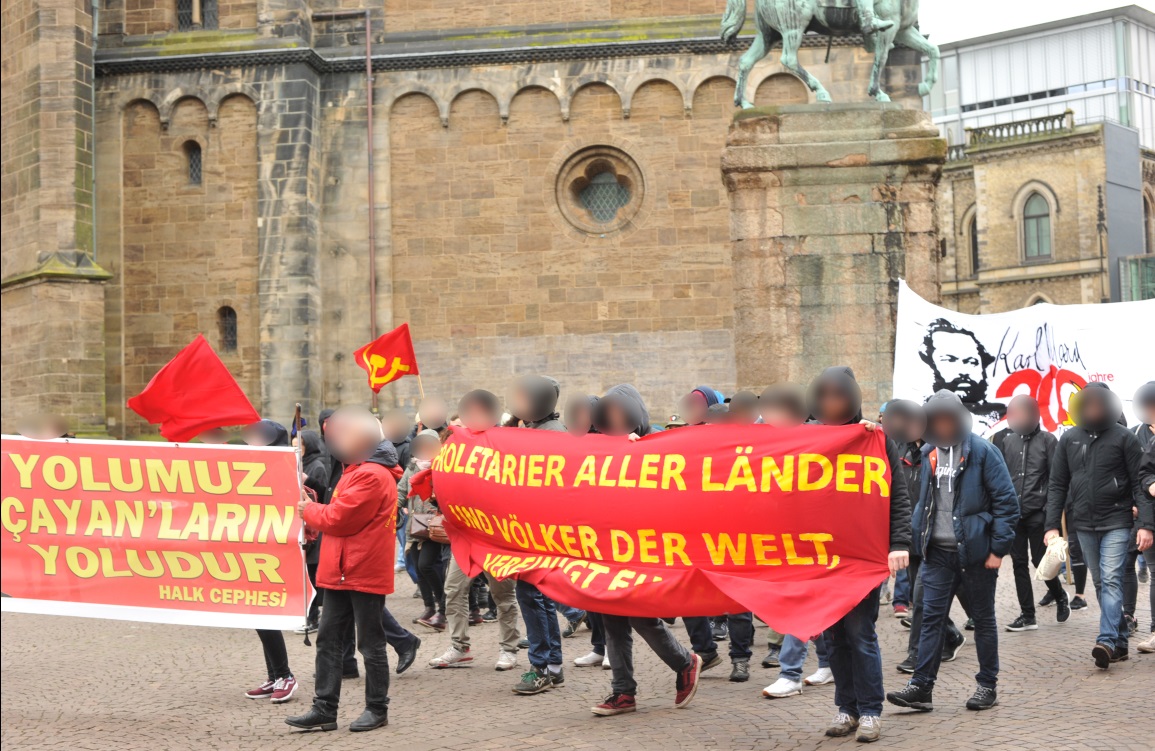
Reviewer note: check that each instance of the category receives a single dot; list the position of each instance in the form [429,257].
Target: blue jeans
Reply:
[569,613]
[793,656]
[902,588]
[701,637]
[1105,554]
[541,627]
[943,576]
[856,660]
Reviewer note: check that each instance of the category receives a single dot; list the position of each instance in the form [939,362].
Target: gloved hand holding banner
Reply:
[792,524]
[161,532]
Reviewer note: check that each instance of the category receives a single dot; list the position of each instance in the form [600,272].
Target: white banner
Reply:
[1047,351]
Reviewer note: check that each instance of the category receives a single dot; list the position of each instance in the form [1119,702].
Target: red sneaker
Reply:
[615,704]
[901,611]
[687,683]
[263,691]
[283,690]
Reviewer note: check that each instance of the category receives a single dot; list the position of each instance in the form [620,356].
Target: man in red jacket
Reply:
[355,569]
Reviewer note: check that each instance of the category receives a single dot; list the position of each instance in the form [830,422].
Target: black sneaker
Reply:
[1102,654]
[906,666]
[572,627]
[771,660]
[312,720]
[523,644]
[740,671]
[1120,654]
[489,616]
[905,623]
[1023,623]
[950,650]
[558,678]
[710,661]
[970,625]
[913,696]
[1078,603]
[721,631]
[1048,600]
[533,682]
[1063,610]
[984,697]
[1132,624]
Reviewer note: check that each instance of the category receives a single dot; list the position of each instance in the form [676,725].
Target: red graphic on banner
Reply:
[1052,390]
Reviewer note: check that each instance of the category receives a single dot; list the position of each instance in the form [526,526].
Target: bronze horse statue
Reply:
[788,20]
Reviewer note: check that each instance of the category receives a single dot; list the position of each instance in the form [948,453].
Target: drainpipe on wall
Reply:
[371,197]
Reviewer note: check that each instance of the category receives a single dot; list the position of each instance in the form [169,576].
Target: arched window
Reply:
[1148,227]
[973,236]
[1036,227]
[192,154]
[227,328]
[196,14]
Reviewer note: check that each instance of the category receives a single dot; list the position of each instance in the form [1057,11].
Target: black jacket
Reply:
[1028,458]
[901,510]
[1098,473]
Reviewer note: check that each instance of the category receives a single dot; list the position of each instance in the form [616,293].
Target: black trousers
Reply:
[396,636]
[363,610]
[1029,533]
[953,635]
[701,635]
[276,654]
[431,564]
[318,598]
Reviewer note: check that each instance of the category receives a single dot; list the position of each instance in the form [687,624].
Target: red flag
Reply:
[193,393]
[421,484]
[388,358]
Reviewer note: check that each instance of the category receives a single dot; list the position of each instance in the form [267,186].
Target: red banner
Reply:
[792,524]
[168,533]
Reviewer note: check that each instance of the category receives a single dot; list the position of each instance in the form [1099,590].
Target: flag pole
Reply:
[420,387]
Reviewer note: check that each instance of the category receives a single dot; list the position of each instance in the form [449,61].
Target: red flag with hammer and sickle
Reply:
[388,358]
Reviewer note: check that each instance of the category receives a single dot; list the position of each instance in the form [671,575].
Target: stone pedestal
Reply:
[830,205]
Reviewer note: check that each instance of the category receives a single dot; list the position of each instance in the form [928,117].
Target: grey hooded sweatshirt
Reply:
[946,472]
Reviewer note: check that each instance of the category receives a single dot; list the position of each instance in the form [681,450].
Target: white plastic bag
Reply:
[1053,560]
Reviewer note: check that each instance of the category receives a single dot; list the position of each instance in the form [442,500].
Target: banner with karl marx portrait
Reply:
[1047,351]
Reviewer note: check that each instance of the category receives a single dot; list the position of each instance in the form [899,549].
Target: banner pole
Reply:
[1070,579]
[420,387]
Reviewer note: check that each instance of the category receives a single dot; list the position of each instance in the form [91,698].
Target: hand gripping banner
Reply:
[792,524]
[160,532]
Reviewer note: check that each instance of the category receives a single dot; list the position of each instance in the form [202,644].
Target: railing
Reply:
[1020,129]
[956,153]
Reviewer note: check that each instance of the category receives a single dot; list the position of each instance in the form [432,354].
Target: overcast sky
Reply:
[951,20]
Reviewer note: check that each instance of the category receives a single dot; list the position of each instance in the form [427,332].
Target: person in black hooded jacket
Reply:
[1028,449]
[1095,475]
[855,660]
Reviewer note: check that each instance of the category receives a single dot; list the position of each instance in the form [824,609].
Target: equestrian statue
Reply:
[882,23]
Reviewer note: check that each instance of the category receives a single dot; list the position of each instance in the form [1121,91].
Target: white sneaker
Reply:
[452,658]
[606,663]
[820,678]
[1147,647]
[592,660]
[398,567]
[506,661]
[782,688]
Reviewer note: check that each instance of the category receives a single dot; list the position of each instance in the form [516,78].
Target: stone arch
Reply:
[507,94]
[176,97]
[967,239]
[714,92]
[417,89]
[587,84]
[1018,206]
[1148,220]
[781,88]
[460,91]
[221,93]
[649,84]
[530,89]
[646,78]
[704,75]
[1038,298]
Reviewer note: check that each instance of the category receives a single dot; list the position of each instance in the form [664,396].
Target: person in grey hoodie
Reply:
[964,524]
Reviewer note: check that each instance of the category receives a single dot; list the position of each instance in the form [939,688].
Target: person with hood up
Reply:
[478,410]
[855,660]
[1147,480]
[1028,449]
[1144,405]
[622,412]
[280,684]
[532,405]
[356,568]
[579,414]
[964,524]
[1095,475]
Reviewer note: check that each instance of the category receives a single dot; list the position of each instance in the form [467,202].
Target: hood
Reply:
[325,415]
[312,444]
[1144,402]
[385,455]
[628,398]
[903,421]
[274,433]
[948,403]
[542,396]
[841,379]
[1027,422]
[1096,392]
[711,396]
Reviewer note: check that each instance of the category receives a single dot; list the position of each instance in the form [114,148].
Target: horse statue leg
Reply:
[883,44]
[758,49]
[791,41]
[909,36]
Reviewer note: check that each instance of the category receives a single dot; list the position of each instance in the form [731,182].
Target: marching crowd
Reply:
[964,503]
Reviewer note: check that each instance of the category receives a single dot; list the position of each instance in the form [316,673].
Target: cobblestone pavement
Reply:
[88,684]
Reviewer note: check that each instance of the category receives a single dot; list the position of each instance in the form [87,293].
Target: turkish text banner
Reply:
[167,533]
[792,524]
[1046,351]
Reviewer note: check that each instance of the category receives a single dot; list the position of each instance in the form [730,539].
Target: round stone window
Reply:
[600,190]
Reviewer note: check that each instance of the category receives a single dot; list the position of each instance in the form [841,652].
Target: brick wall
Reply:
[413,15]
[188,249]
